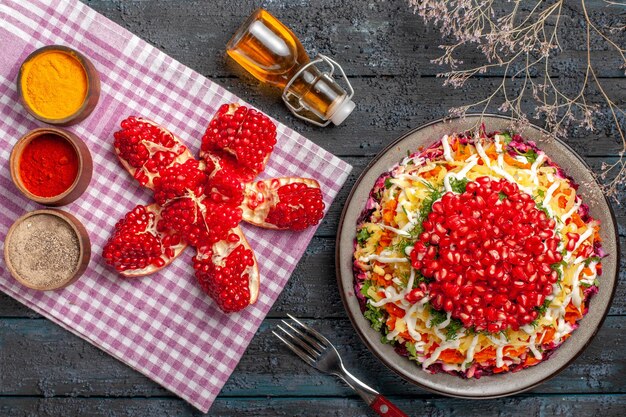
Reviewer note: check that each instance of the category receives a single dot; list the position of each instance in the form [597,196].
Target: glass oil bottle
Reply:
[273,54]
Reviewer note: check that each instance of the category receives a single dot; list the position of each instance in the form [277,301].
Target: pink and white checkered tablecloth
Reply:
[163,325]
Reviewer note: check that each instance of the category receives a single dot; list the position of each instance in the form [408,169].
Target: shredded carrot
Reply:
[491,151]
[391,322]
[500,369]
[512,352]
[432,173]
[549,335]
[587,271]
[462,153]
[394,310]
[596,234]
[577,220]
[379,279]
[385,240]
[485,354]
[451,356]
[389,211]
[406,336]
[514,162]
[572,313]
[562,201]
[531,360]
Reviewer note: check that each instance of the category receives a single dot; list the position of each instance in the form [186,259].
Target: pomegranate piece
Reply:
[245,134]
[137,248]
[146,149]
[225,184]
[283,203]
[228,272]
[488,253]
[179,180]
[199,220]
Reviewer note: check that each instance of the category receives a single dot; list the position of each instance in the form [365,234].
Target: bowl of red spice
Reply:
[51,166]
[47,249]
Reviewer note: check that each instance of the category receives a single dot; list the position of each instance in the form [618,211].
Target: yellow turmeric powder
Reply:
[54,84]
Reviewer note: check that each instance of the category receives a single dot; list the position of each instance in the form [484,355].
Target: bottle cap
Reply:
[342,111]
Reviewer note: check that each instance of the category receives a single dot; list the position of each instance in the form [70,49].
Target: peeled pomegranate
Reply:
[145,149]
[245,134]
[137,247]
[201,202]
[283,203]
[228,272]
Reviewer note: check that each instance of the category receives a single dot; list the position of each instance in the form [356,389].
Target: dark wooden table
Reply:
[386,51]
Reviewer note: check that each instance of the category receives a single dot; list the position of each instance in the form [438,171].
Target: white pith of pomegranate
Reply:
[245,134]
[137,248]
[283,203]
[488,253]
[145,149]
[228,272]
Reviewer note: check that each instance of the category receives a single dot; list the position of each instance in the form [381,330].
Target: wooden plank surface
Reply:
[386,51]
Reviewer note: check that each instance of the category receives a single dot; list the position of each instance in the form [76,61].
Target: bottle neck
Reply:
[316,92]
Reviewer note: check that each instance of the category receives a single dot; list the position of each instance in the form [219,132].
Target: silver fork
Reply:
[313,348]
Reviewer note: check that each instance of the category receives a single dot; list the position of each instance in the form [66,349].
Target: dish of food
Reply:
[475,254]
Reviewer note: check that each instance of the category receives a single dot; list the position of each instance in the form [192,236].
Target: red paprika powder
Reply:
[48,165]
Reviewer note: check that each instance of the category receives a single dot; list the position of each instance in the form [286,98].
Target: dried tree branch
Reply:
[521,38]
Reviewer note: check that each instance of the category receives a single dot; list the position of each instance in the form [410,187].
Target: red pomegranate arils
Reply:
[224,184]
[283,203]
[145,149]
[488,253]
[227,271]
[179,180]
[137,248]
[202,202]
[244,133]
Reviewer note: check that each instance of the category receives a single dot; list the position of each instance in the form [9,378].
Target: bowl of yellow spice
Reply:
[58,85]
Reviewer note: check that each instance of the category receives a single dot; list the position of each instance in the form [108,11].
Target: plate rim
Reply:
[344,296]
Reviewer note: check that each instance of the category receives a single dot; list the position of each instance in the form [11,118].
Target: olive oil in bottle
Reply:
[273,54]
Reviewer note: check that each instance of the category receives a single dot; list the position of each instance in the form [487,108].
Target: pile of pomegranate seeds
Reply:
[488,253]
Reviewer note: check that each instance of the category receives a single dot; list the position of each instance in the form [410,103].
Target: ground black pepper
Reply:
[44,250]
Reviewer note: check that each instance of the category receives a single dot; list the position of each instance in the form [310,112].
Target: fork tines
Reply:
[304,341]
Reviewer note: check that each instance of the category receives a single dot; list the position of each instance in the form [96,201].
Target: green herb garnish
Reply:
[501,196]
[437,317]
[363,235]
[592,259]
[530,155]
[375,316]
[410,347]
[458,185]
[388,183]
[541,310]
[402,244]
[453,328]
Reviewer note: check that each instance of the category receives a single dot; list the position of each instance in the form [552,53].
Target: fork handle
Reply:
[385,408]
